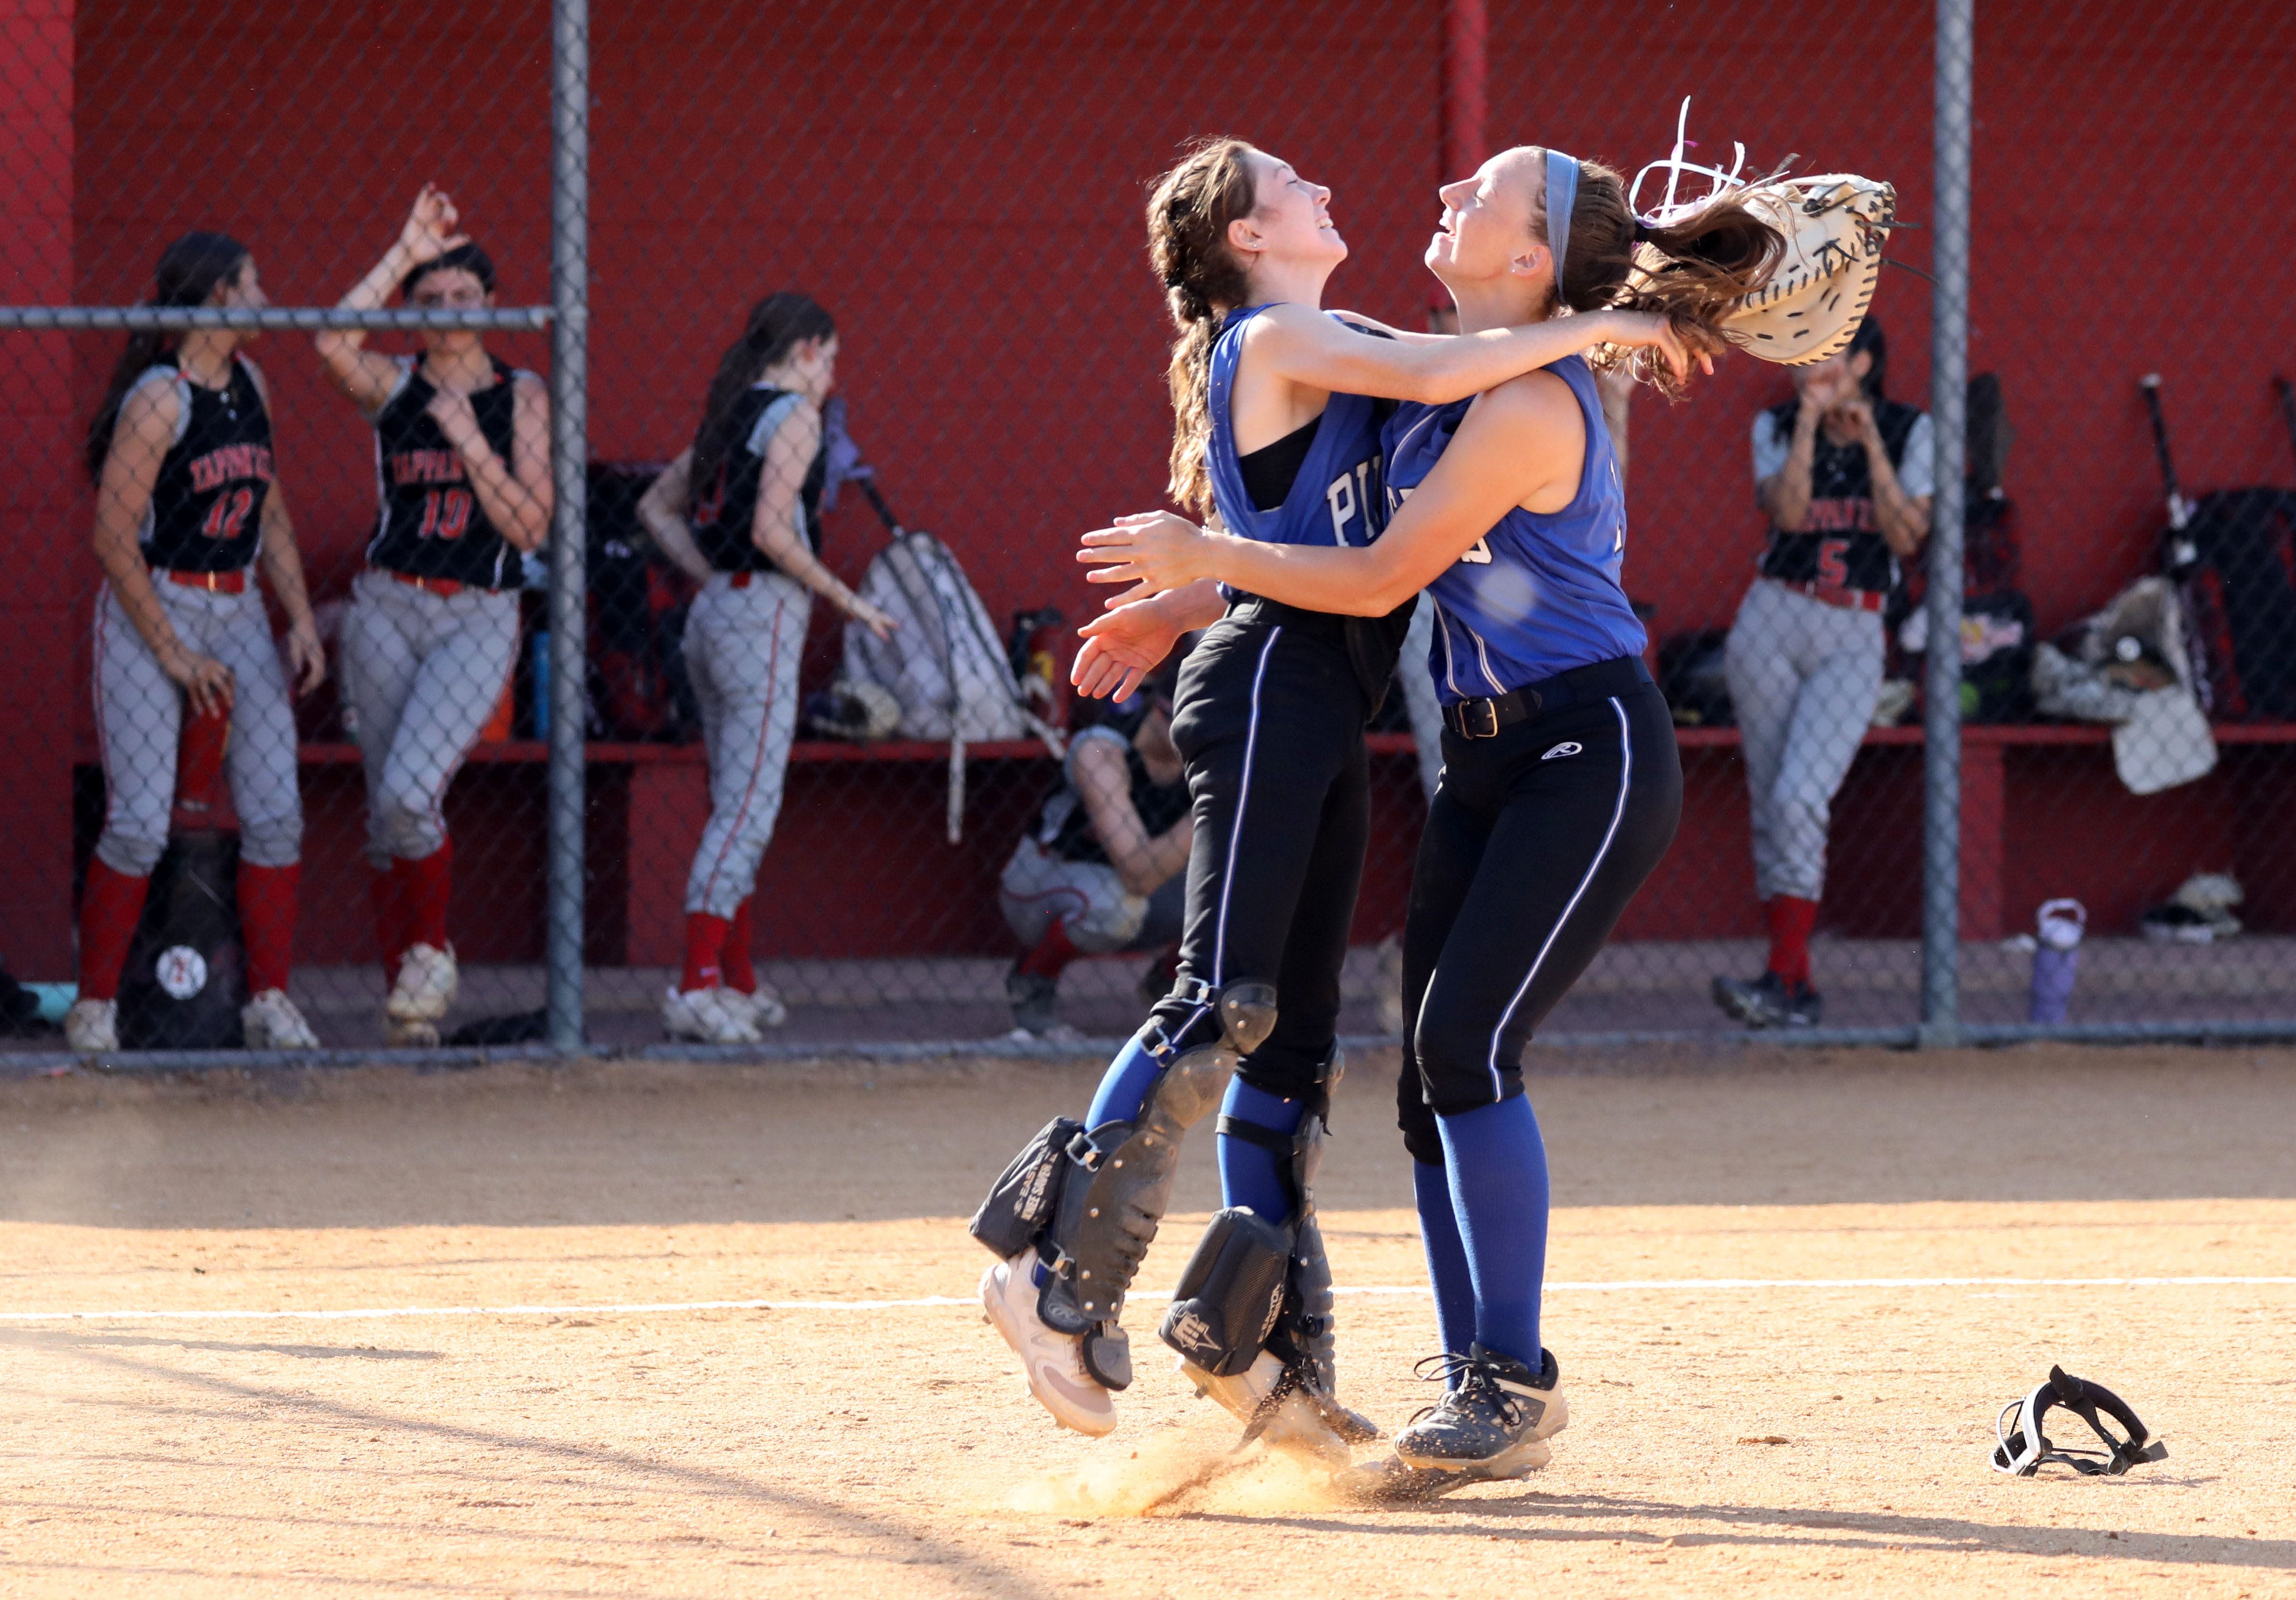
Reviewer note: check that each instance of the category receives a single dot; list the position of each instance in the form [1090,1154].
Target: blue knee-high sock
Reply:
[1124,1087]
[1446,1258]
[1497,1166]
[1252,1175]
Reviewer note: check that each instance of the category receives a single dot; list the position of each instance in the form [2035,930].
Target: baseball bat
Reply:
[2181,554]
[2180,510]
[2287,405]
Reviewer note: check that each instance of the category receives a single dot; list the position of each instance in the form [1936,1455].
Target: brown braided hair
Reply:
[1189,212]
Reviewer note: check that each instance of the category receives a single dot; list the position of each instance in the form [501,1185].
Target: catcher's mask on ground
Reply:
[2025,1447]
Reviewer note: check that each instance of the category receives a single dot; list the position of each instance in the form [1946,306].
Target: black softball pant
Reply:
[1535,842]
[1269,718]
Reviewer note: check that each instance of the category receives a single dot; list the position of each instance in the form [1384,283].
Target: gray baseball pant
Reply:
[1039,889]
[743,646]
[1804,679]
[422,673]
[139,719]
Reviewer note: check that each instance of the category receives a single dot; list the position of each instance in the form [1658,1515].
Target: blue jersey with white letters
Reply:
[1338,497]
[1538,594]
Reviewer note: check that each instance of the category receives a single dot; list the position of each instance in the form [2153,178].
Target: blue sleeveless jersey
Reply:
[1537,595]
[1337,499]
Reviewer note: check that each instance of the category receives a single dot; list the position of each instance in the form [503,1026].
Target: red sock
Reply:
[733,959]
[705,946]
[1790,921]
[425,884]
[1053,954]
[266,922]
[108,914]
[389,891]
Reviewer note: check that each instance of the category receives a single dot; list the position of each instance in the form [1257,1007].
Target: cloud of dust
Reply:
[1184,1469]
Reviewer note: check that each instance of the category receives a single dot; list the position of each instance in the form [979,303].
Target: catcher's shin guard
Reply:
[1255,1330]
[1116,1179]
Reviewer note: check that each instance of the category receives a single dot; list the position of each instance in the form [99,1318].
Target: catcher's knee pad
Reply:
[1211,1310]
[1229,1296]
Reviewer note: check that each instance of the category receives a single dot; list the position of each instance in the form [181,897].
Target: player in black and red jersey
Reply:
[187,501]
[462,445]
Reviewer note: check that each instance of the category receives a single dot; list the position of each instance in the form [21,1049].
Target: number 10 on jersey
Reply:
[446,514]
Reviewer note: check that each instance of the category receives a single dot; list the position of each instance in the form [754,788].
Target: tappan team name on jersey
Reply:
[228,462]
[1840,514]
[427,467]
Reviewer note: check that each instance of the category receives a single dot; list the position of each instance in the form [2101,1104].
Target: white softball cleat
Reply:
[272,1022]
[1293,1422]
[93,1025]
[425,987]
[708,1016]
[765,1006]
[1051,1361]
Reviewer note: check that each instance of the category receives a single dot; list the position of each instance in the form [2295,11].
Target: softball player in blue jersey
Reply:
[1560,787]
[1278,408]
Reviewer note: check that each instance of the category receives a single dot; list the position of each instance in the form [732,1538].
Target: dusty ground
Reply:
[1755,1435]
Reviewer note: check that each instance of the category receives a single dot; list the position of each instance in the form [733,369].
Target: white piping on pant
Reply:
[1242,803]
[1618,814]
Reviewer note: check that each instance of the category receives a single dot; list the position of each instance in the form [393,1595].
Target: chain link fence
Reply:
[853,327]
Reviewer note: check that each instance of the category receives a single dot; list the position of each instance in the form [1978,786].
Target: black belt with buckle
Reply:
[1483,719]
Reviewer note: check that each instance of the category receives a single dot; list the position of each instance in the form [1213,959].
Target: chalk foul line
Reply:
[936,1301]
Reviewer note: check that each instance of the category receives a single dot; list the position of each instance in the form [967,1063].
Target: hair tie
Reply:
[1641,231]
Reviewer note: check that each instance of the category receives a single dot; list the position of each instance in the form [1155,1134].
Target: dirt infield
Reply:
[1750,1411]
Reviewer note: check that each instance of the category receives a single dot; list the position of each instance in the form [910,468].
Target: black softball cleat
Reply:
[1495,1421]
[1770,1002]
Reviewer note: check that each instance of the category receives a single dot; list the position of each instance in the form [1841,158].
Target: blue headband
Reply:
[1561,196]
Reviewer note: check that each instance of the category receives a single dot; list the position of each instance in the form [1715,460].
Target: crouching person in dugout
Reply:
[1102,870]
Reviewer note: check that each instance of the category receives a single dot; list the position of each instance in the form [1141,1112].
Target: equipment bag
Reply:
[944,662]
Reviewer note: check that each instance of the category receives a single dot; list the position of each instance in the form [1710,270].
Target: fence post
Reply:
[1950,134]
[569,298]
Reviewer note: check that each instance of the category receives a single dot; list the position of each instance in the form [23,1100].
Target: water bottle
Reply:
[2056,959]
[538,676]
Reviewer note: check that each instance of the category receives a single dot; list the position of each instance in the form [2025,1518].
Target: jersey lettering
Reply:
[1833,564]
[1344,503]
[427,467]
[218,467]
[1479,553]
[1841,513]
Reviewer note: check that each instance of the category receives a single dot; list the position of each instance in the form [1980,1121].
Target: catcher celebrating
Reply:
[188,502]
[1277,410]
[1560,788]
[461,454]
